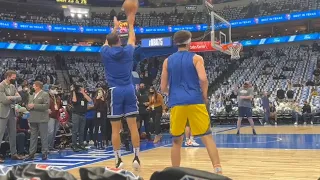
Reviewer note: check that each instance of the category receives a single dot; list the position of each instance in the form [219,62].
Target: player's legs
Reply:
[178,120]
[189,138]
[116,112]
[250,119]
[131,110]
[240,117]
[199,121]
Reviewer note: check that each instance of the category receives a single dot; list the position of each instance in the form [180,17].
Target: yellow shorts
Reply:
[196,114]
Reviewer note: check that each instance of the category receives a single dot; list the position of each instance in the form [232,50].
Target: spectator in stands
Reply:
[273,113]
[266,108]
[314,92]
[228,103]
[53,124]
[316,74]
[9,96]
[100,122]
[24,93]
[307,113]
[156,106]
[80,101]
[143,99]
[38,106]
[280,95]
[90,115]
[295,109]
[290,92]
[23,130]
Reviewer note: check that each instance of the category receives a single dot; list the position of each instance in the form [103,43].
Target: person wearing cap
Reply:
[23,130]
[245,96]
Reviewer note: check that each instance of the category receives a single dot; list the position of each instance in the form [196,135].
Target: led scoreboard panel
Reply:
[82,2]
[156,42]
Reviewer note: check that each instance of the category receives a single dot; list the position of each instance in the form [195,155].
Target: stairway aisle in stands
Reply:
[62,72]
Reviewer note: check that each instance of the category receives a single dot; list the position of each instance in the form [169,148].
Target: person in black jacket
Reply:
[143,100]
[80,101]
[306,113]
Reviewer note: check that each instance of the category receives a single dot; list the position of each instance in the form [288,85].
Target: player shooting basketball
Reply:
[181,74]
[118,62]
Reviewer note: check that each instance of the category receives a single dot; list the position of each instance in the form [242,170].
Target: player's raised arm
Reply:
[164,77]
[132,35]
[199,65]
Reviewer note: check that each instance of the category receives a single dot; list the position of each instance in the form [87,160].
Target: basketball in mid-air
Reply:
[130,6]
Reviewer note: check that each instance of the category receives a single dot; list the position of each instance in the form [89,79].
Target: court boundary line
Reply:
[229,129]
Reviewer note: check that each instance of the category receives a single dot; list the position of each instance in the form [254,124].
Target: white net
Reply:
[235,49]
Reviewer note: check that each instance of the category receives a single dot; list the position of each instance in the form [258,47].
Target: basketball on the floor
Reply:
[130,6]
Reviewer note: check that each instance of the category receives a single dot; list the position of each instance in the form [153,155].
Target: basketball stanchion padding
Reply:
[39,171]
[180,173]
[101,173]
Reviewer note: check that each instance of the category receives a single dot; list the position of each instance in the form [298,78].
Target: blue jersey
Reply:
[118,64]
[184,85]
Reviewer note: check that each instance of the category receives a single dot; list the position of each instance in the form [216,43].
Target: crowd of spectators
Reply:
[254,9]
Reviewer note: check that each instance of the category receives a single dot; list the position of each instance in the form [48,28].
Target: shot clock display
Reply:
[156,42]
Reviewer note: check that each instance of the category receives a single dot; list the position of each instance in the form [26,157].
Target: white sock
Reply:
[136,151]
[191,138]
[187,139]
[117,154]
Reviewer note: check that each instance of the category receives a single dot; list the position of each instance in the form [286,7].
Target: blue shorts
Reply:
[245,112]
[123,102]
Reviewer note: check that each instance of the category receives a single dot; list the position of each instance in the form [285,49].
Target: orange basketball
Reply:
[130,6]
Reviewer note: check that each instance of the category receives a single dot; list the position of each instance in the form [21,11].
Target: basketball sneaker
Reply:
[119,164]
[136,164]
[217,169]
[188,143]
[254,132]
[238,133]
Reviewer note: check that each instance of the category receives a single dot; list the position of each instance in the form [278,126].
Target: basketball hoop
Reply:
[234,49]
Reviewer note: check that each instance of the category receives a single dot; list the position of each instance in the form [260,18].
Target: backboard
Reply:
[220,29]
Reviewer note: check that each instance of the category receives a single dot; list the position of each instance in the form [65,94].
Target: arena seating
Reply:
[254,9]
[36,68]
[272,69]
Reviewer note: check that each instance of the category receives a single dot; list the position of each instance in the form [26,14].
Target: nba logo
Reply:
[141,30]
[15,25]
[49,27]
[81,29]
[256,20]
[288,16]
[169,28]
[198,27]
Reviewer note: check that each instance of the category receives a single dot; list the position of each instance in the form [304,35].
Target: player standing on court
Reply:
[118,63]
[184,79]
[245,96]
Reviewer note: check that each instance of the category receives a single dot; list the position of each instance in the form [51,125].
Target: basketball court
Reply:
[283,152]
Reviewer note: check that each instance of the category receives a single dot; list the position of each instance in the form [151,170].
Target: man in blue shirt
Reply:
[118,63]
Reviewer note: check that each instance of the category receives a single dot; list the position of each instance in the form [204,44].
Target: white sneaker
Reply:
[295,123]
[136,164]
[311,123]
[91,142]
[188,143]
[275,123]
[305,123]
[265,124]
[119,164]
[194,143]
